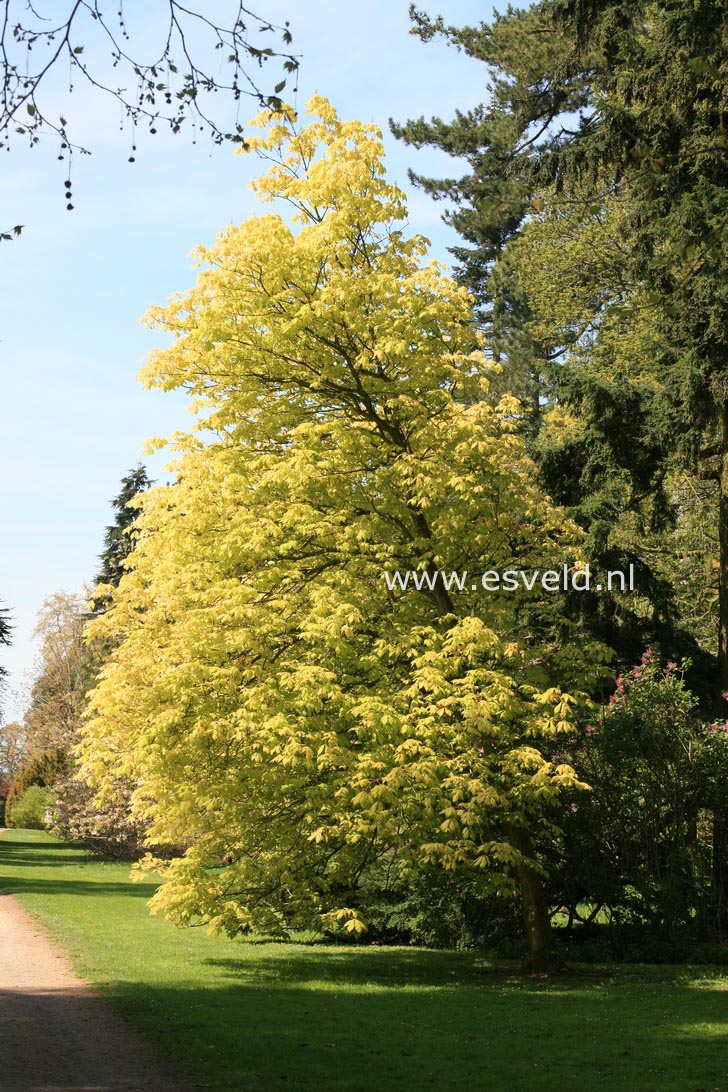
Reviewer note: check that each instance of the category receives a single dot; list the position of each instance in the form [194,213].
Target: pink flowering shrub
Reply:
[109,831]
[639,844]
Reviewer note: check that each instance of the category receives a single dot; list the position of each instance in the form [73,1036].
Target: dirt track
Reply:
[56,1033]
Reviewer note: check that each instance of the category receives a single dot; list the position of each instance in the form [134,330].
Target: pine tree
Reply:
[595,104]
[119,540]
[504,142]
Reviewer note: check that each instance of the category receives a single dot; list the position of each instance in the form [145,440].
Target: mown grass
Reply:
[246,1015]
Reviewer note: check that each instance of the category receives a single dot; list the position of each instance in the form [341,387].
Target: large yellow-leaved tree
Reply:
[288,718]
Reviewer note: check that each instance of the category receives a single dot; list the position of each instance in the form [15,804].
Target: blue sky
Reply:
[74,286]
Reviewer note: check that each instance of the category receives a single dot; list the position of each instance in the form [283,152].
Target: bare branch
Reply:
[167,82]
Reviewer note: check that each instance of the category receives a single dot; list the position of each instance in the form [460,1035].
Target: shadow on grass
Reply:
[256,1036]
[22,863]
[44,844]
[42,854]
[376,1019]
[18,885]
[49,860]
[398,968]
[385,967]
[47,854]
[281,1024]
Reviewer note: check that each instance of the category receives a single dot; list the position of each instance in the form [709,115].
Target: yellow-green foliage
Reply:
[30,811]
[281,711]
[43,769]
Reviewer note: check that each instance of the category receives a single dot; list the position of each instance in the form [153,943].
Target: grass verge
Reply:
[251,1016]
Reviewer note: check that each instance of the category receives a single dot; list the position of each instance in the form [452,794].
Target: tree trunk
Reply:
[719,877]
[542,955]
[721,704]
[719,893]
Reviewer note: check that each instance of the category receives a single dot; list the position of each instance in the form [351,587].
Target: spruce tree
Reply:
[595,102]
[119,538]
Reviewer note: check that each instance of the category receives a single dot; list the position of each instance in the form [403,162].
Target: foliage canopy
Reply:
[281,711]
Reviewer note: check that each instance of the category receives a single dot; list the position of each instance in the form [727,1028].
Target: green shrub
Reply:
[44,770]
[435,908]
[640,847]
[31,809]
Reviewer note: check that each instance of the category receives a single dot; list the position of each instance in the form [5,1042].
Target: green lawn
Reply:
[245,1015]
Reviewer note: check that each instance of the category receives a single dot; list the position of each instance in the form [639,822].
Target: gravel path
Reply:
[56,1033]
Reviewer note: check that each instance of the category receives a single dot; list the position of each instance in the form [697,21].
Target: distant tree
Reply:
[57,695]
[168,80]
[31,809]
[106,828]
[12,749]
[119,538]
[5,631]
[42,769]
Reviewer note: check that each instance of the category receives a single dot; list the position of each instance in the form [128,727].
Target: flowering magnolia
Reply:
[282,711]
